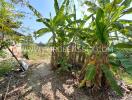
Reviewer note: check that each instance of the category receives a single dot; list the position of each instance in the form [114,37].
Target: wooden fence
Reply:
[75,56]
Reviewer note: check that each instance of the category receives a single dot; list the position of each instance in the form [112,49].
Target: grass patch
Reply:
[38,55]
[122,75]
[6,67]
[2,54]
[126,78]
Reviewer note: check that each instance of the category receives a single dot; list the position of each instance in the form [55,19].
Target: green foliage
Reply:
[117,14]
[128,11]
[129,69]
[90,72]
[6,66]
[126,3]
[41,32]
[110,77]
[59,19]
[54,25]
[64,66]
[34,11]
[56,6]
[2,54]
[89,3]
[103,2]
[10,20]
[100,26]
[124,21]
[122,59]
[127,78]
[104,19]
[117,1]
[107,19]
[4,44]
[127,63]
[89,75]
[123,45]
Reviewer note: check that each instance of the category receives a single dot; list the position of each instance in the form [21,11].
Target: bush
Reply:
[2,54]
[6,67]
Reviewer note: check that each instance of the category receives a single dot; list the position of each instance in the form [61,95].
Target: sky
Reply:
[45,7]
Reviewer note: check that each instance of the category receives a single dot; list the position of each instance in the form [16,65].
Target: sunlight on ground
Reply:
[51,93]
[127,78]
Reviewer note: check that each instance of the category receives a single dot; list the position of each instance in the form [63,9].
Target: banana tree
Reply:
[56,26]
[106,20]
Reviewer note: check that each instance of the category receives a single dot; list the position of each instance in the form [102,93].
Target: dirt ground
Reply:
[41,83]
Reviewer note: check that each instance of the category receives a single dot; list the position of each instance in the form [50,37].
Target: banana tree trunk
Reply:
[83,57]
[101,58]
[100,82]
[98,57]
[72,54]
[79,55]
[62,52]
[54,54]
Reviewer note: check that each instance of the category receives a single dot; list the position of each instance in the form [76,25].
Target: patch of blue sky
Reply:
[30,25]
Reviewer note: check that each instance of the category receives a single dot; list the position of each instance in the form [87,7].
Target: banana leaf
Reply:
[41,32]
[56,6]
[90,73]
[100,26]
[110,77]
[123,45]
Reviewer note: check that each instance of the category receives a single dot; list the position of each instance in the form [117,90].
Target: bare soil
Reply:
[41,83]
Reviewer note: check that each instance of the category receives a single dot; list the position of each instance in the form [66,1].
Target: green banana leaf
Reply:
[34,11]
[103,2]
[123,45]
[56,6]
[41,32]
[59,19]
[126,3]
[124,21]
[117,1]
[100,26]
[128,11]
[90,73]
[110,77]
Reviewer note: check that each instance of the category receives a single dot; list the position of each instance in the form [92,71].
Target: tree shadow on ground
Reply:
[41,83]
[50,86]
